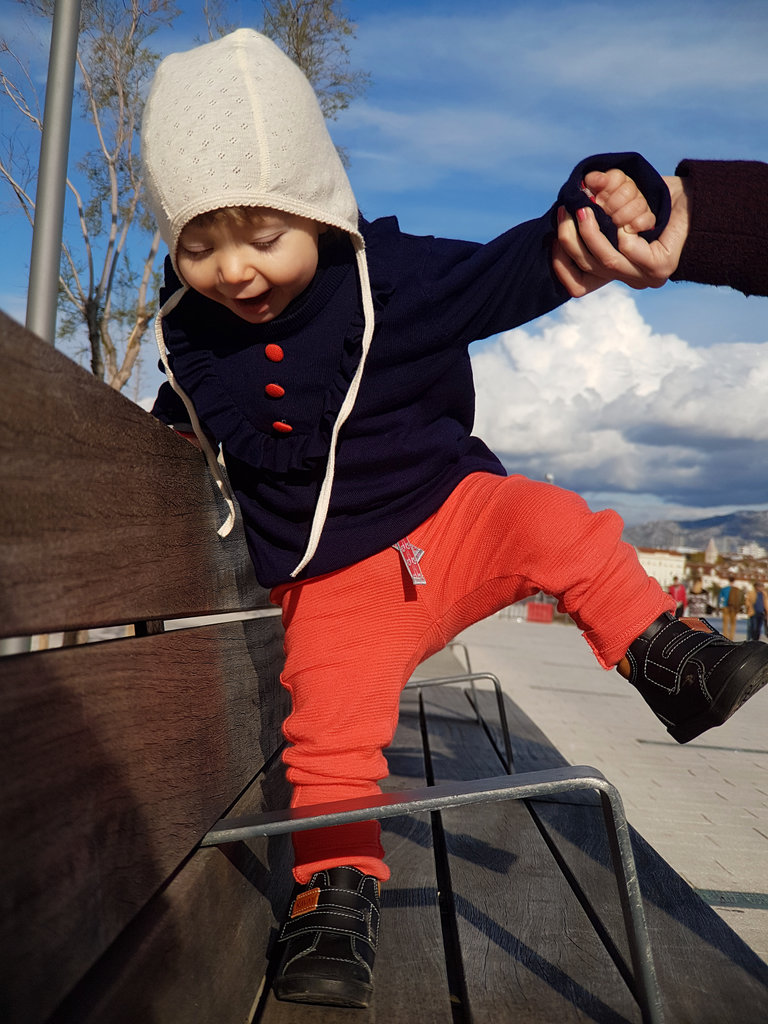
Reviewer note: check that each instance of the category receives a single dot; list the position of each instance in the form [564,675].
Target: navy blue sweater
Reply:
[408,441]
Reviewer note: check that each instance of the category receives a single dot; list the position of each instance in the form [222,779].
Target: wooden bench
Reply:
[121,756]
[118,756]
[509,911]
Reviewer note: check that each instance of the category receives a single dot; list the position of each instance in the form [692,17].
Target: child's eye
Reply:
[194,254]
[263,244]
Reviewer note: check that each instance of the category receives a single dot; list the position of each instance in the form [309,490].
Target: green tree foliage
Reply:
[109,275]
[314,34]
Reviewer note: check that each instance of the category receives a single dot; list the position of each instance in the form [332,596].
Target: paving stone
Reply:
[702,805]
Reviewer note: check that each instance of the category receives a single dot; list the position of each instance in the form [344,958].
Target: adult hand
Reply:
[584,260]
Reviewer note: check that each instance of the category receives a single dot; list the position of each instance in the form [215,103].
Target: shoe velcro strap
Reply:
[339,922]
[686,644]
[335,897]
[332,910]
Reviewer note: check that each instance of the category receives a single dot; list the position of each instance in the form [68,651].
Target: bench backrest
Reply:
[116,756]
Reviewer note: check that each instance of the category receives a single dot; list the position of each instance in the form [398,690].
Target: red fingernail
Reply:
[581,213]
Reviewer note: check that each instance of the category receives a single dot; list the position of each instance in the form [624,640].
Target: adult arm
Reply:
[727,241]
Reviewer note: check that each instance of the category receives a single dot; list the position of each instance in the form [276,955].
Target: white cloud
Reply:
[594,396]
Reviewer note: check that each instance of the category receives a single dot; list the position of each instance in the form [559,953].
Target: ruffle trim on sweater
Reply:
[195,368]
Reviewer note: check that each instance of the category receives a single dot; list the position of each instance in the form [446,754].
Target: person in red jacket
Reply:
[677,590]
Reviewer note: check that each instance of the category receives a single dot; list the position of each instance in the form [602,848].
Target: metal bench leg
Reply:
[470,677]
[526,786]
[647,991]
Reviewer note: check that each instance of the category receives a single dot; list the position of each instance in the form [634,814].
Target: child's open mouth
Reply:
[256,302]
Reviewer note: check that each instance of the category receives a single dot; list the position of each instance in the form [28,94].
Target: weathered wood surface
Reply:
[410,975]
[707,974]
[529,950]
[96,495]
[196,952]
[116,758]
[412,945]
[528,953]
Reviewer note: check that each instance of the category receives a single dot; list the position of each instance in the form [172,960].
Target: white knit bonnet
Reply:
[235,123]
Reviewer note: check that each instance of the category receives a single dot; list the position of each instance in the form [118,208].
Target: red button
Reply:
[274,353]
[282,428]
[274,390]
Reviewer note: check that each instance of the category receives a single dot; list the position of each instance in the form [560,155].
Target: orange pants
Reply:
[353,637]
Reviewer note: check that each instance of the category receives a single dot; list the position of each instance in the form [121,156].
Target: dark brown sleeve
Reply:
[728,240]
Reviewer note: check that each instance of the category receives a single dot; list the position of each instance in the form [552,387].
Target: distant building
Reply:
[711,555]
[663,565]
[752,550]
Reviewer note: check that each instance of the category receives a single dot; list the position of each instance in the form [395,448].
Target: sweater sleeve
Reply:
[509,281]
[727,242]
[170,409]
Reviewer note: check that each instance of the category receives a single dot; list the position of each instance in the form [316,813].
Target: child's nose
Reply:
[237,264]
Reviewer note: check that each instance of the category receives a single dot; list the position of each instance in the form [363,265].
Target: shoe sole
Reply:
[743,683]
[323,991]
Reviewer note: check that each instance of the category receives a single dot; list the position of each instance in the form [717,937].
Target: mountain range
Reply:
[729,532]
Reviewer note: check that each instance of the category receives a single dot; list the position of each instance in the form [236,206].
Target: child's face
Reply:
[253,266]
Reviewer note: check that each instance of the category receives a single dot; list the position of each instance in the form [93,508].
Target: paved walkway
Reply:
[703,805]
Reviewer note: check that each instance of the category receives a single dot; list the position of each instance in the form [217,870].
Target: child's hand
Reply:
[191,436]
[653,263]
[621,199]
[584,259]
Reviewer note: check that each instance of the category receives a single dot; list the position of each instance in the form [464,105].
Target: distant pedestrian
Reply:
[731,601]
[697,600]
[677,590]
[755,607]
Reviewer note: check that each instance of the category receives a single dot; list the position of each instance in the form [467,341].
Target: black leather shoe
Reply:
[330,940]
[691,676]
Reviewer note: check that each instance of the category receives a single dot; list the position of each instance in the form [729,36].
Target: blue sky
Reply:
[653,402]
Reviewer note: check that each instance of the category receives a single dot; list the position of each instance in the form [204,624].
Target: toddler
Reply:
[328,357]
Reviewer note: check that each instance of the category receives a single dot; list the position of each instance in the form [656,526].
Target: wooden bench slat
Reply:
[116,758]
[106,517]
[410,976]
[530,952]
[705,971]
[196,952]
[412,973]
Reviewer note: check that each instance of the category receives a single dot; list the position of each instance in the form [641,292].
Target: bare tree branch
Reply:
[106,302]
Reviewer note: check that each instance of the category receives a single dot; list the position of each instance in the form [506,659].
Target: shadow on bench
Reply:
[120,755]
